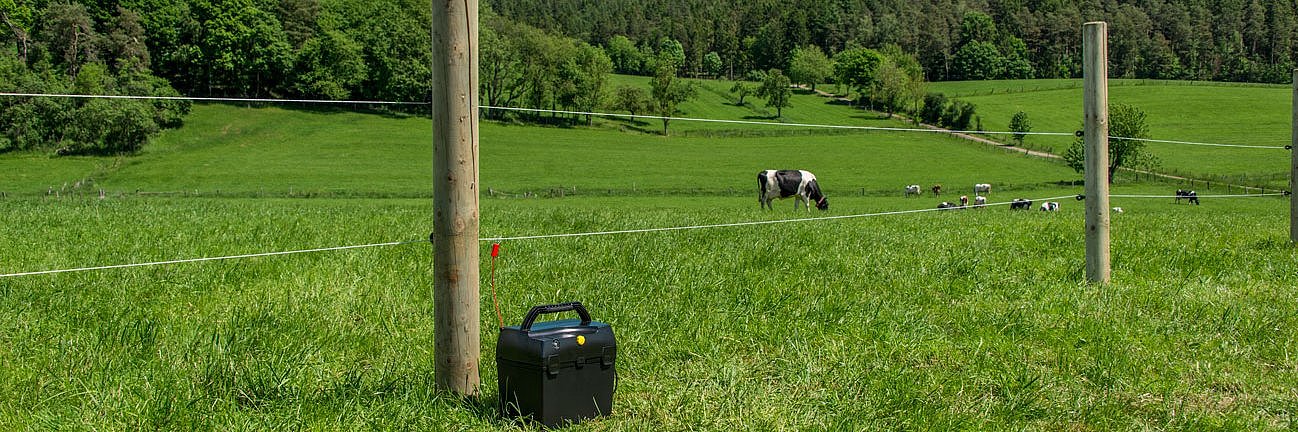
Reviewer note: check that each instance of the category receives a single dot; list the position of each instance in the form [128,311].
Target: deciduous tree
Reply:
[809,65]
[1127,127]
[668,92]
[1020,124]
[775,88]
[858,68]
[631,99]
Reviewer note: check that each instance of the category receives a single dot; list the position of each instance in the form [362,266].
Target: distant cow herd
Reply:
[802,186]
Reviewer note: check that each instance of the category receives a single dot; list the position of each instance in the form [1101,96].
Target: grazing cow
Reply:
[980,201]
[937,190]
[1021,204]
[1190,195]
[964,200]
[912,190]
[1050,206]
[799,184]
[982,189]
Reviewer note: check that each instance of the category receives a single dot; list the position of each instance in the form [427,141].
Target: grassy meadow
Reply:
[1205,112]
[953,320]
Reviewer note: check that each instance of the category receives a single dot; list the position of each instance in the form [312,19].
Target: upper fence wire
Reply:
[619,115]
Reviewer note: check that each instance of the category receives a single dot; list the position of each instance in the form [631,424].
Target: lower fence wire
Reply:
[739,224]
[1202,196]
[590,234]
[192,260]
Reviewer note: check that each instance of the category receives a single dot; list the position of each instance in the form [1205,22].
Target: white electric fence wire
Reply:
[213,99]
[739,224]
[492,239]
[1200,196]
[192,260]
[1199,143]
[548,111]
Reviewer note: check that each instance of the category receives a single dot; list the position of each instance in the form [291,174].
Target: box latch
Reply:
[607,356]
[552,365]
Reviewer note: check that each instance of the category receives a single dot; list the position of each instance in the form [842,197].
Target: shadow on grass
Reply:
[385,110]
[758,117]
[871,116]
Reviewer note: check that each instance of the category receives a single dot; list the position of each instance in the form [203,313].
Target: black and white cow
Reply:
[1190,195]
[799,184]
[1021,204]
[1050,206]
[980,201]
[982,189]
[912,190]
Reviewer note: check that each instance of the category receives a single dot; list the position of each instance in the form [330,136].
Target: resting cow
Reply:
[946,205]
[982,189]
[912,190]
[1190,195]
[799,184]
[1021,204]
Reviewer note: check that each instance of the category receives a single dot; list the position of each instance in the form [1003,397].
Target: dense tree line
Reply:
[62,49]
[371,49]
[331,49]
[1235,40]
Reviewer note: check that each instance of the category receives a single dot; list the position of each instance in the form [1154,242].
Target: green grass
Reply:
[1228,114]
[28,173]
[952,320]
[714,101]
[232,151]
[973,320]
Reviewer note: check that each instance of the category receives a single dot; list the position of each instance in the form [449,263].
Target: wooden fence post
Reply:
[1095,83]
[457,330]
[1293,173]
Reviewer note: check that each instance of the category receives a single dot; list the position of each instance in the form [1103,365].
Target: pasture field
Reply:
[232,151]
[936,321]
[1228,114]
[714,101]
[971,319]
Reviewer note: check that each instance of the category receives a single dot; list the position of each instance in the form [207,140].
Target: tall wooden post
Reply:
[1293,173]
[1095,85]
[457,329]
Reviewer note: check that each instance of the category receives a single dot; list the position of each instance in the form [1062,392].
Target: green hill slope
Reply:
[1179,111]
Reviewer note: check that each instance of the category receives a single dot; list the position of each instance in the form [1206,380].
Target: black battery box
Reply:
[556,372]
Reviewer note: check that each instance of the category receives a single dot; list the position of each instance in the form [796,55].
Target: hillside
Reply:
[1178,111]
[341,153]
[951,320]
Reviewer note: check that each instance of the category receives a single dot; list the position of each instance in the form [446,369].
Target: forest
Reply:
[558,53]
[330,49]
[1223,40]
